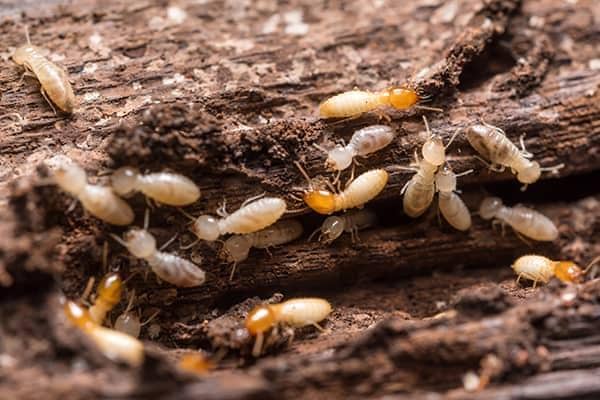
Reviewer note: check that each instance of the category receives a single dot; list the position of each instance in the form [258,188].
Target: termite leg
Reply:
[257,349]
[222,210]
[88,289]
[319,327]
[519,278]
[168,242]
[105,256]
[524,151]
[189,245]
[405,187]
[232,271]
[251,199]
[592,263]
[48,100]
[437,109]
[520,236]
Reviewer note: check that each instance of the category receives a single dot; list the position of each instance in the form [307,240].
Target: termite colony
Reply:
[258,224]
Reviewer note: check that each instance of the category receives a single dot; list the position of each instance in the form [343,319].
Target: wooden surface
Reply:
[226,93]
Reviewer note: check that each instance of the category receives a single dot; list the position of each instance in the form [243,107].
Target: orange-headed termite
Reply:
[54,82]
[108,295]
[352,221]
[113,344]
[359,192]
[493,145]
[237,247]
[252,216]
[523,220]
[169,267]
[295,313]
[364,142]
[450,204]
[356,102]
[541,269]
[164,187]
[100,201]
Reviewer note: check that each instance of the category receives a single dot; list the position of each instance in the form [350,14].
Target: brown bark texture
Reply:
[226,93]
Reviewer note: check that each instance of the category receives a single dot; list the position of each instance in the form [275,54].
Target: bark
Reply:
[228,97]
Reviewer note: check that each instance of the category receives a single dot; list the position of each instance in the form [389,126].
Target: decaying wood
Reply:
[226,94]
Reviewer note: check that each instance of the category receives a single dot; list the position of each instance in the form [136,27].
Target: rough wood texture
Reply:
[228,96]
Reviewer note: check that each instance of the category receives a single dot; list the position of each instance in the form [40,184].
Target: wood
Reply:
[223,101]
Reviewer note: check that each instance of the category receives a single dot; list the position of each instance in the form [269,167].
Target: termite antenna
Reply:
[188,216]
[554,169]
[595,261]
[168,242]
[436,109]
[313,234]
[427,126]
[88,289]
[27,35]
[150,318]
[105,256]
[303,172]
[452,138]
[319,147]
[467,172]
[118,239]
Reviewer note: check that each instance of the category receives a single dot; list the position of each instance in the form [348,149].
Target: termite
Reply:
[164,187]
[196,363]
[359,192]
[450,204]
[357,102]
[364,142]
[237,247]
[54,82]
[352,221]
[493,145]
[129,322]
[420,189]
[99,201]
[541,269]
[523,220]
[108,295]
[295,313]
[252,216]
[113,344]
[169,267]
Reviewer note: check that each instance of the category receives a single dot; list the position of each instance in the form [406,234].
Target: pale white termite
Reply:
[359,192]
[164,187]
[295,313]
[237,247]
[352,221]
[420,189]
[54,82]
[112,343]
[493,145]
[252,216]
[541,269]
[523,220]
[100,201]
[169,267]
[364,142]
[450,204]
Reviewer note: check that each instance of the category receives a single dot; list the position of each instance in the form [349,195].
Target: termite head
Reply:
[434,151]
[23,53]
[402,98]
[321,201]
[568,271]
[77,314]
[66,174]
[236,248]
[124,180]
[530,173]
[140,242]
[445,180]
[339,158]
[110,288]
[332,228]
[260,319]
[206,227]
[489,207]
